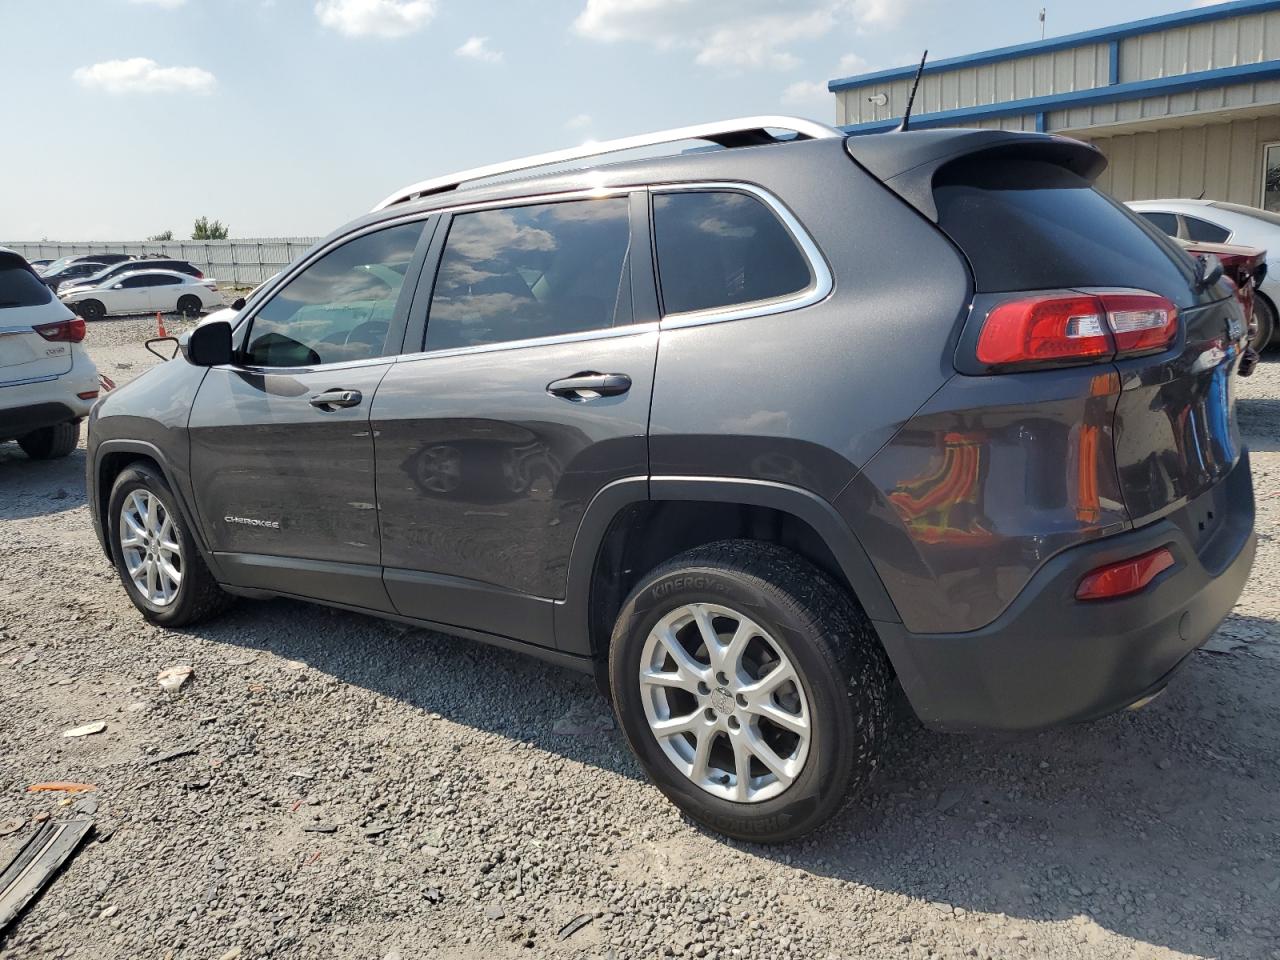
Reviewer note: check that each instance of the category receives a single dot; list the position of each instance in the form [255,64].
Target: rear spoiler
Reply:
[907,162]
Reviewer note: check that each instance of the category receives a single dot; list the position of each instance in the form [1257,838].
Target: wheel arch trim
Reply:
[151,452]
[573,614]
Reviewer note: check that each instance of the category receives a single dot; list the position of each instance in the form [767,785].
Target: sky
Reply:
[125,118]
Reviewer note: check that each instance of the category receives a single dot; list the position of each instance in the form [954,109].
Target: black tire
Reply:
[91,309]
[51,443]
[832,646]
[190,306]
[198,596]
[1264,314]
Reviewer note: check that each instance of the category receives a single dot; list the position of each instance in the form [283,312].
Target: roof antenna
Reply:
[911,98]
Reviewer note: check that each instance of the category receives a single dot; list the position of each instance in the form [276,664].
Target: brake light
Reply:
[198,275]
[62,331]
[1047,328]
[1125,577]
[1058,329]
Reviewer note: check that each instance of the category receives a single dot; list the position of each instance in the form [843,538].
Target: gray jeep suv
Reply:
[757,432]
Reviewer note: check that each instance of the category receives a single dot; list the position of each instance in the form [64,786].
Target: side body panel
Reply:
[805,398]
[992,477]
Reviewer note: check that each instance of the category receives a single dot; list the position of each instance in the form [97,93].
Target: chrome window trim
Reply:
[582,336]
[818,289]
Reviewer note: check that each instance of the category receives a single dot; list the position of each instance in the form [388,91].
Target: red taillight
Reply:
[63,331]
[1054,329]
[1044,329]
[1125,577]
[88,395]
[198,275]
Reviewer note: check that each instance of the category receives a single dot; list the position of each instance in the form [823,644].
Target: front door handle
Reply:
[332,399]
[590,386]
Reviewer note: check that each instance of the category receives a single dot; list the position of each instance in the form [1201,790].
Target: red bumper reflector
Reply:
[88,395]
[1125,577]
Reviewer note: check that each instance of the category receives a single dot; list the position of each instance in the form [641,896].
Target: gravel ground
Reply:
[357,789]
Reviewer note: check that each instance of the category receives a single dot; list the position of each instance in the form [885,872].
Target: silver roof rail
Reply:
[745,131]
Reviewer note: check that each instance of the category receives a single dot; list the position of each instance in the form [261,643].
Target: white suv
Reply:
[47,381]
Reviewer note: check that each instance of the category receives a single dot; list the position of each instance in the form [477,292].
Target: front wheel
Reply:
[91,309]
[752,689]
[155,554]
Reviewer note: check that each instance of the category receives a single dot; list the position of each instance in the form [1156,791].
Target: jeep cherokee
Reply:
[757,432]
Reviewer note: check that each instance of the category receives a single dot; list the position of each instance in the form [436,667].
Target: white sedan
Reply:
[144,291]
[1216,221]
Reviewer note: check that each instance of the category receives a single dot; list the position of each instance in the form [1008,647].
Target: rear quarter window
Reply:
[19,287]
[1032,225]
[719,248]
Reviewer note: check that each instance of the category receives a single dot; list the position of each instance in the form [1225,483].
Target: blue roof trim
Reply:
[1182,83]
[1119,32]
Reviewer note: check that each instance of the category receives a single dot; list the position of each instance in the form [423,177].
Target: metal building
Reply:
[1183,105]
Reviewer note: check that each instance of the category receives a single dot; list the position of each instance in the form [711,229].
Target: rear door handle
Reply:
[332,399]
[590,386]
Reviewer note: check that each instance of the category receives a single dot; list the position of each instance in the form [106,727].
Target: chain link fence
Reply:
[235,262]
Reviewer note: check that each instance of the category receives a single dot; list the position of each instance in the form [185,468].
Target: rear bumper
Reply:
[17,422]
[1052,659]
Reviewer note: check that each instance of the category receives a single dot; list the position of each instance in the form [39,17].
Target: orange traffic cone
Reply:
[160,330]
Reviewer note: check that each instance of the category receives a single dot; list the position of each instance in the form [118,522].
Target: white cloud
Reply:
[166,4]
[142,75]
[806,92]
[578,121]
[732,33]
[850,64]
[477,48]
[375,18]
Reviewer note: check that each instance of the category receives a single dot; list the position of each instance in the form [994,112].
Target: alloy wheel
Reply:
[150,547]
[725,703]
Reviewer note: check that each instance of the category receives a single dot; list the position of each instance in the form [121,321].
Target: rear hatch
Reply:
[1024,212]
[26,306]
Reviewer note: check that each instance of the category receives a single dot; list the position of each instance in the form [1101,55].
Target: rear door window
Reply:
[722,248]
[1204,231]
[525,272]
[1033,225]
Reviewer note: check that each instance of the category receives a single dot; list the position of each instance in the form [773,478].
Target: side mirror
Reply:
[118,286]
[237,303]
[208,345]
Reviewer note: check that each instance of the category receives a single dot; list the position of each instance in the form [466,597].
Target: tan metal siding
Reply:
[1060,71]
[1222,161]
[1262,93]
[1201,46]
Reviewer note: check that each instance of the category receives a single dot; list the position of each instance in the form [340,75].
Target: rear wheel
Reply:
[752,689]
[91,309]
[1264,314]
[190,306]
[51,443]
[155,554]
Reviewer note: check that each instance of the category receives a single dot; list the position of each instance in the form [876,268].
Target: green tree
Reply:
[204,230]
[167,235]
